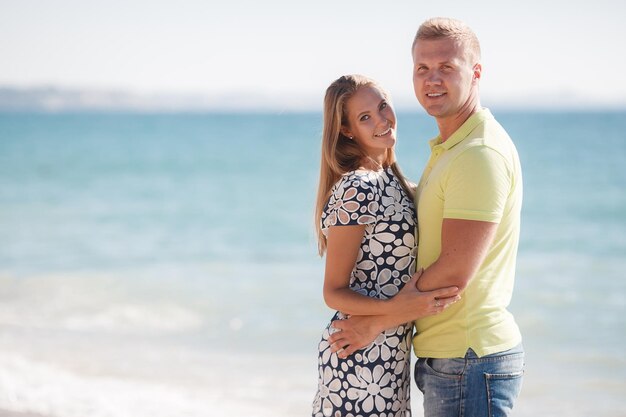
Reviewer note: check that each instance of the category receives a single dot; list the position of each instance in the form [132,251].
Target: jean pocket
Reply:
[502,391]
[445,368]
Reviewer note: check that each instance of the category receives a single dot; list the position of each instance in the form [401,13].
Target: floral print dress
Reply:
[374,381]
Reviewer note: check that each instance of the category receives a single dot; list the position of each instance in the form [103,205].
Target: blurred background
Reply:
[158,169]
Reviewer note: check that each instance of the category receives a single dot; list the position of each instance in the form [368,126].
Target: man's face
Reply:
[445,79]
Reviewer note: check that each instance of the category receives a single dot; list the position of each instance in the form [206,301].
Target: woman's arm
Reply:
[463,248]
[358,331]
[343,244]
[341,256]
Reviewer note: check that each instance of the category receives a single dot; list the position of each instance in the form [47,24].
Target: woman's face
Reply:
[371,121]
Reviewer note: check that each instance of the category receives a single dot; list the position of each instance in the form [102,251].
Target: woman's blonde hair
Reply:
[340,154]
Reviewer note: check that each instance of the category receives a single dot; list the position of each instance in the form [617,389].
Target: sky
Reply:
[278,52]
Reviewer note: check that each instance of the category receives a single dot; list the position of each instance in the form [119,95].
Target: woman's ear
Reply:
[346,132]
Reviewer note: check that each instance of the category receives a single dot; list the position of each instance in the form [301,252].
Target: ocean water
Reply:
[165,264]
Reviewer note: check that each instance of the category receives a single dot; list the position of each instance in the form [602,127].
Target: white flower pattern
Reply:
[375,381]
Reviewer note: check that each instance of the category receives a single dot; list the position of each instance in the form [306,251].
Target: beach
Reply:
[165,264]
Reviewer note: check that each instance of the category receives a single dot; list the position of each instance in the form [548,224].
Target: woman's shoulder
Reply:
[355,199]
[362,178]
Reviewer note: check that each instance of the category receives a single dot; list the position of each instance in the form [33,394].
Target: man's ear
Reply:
[477,71]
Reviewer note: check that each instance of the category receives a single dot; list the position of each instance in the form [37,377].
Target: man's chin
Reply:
[434,112]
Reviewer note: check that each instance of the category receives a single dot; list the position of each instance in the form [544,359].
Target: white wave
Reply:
[90,303]
[126,317]
[225,390]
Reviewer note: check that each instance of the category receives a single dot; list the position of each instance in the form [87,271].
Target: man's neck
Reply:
[449,125]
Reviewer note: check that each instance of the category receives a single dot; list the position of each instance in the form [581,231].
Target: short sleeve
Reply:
[353,201]
[477,186]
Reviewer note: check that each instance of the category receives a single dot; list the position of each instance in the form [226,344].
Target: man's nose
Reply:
[433,78]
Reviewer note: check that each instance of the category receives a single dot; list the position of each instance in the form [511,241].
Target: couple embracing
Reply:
[438,258]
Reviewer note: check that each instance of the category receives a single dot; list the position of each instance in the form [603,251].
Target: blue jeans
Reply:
[471,386]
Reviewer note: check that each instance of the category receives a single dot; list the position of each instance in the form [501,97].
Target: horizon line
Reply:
[56,99]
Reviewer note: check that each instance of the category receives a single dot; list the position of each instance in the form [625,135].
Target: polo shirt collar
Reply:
[463,131]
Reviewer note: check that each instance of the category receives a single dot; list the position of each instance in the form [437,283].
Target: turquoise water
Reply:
[173,256]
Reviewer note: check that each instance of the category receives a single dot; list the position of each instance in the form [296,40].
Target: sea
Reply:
[165,264]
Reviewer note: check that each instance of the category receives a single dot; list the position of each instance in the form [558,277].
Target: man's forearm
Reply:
[388,321]
[438,275]
[357,331]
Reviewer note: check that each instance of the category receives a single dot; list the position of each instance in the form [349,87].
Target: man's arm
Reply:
[464,246]
[343,246]
[359,331]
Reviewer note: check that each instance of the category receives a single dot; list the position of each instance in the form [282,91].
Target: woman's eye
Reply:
[364,118]
[383,105]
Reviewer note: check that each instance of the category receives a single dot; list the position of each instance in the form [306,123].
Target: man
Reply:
[468,200]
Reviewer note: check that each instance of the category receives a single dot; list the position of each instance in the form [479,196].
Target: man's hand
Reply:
[354,333]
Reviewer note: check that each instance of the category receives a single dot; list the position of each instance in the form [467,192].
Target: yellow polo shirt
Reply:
[474,175]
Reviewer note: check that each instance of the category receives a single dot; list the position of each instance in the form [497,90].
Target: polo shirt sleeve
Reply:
[477,186]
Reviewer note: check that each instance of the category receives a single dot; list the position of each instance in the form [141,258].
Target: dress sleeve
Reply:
[353,201]
[478,186]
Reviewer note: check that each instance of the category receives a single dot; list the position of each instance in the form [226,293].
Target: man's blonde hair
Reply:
[447,28]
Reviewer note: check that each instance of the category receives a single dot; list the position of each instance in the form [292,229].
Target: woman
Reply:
[366,228]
